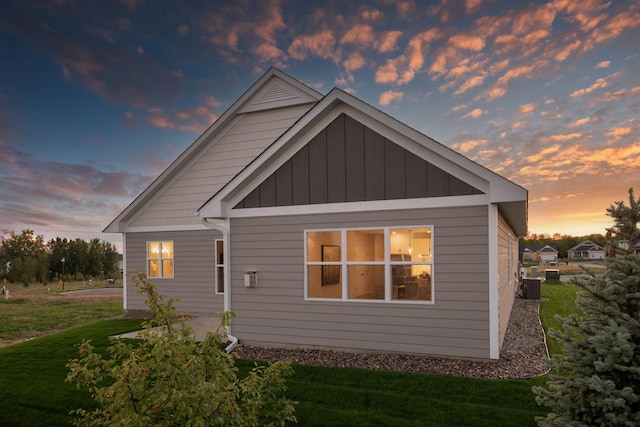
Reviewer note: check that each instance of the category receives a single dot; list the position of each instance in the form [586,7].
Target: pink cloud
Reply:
[527,108]
[320,44]
[359,35]
[354,62]
[600,83]
[603,64]
[389,41]
[580,122]
[469,145]
[390,96]
[471,83]
[475,113]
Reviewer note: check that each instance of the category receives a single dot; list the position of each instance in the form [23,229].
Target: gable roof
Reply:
[510,197]
[273,89]
[586,246]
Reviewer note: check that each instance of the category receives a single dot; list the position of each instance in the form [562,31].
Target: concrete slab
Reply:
[201,325]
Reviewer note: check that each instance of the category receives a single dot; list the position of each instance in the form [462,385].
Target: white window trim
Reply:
[173,258]
[387,266]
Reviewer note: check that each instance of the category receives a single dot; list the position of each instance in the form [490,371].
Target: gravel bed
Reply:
[523,353]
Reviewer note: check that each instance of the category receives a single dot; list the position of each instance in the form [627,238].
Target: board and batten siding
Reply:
[507,274]
[194,269]
[240,144]
[275,312]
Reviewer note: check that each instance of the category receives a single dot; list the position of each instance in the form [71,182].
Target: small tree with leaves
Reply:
[596,379]
[169,378]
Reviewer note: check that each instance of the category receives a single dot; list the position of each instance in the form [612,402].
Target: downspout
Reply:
[226,258]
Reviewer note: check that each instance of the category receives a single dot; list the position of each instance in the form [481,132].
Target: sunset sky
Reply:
[97,98]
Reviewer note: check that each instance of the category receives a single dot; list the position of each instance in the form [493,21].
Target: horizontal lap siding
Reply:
[457,324]
[507,273]
[193,282]
[217,165]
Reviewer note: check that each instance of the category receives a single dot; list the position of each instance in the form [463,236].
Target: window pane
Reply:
[416,285]
[167,268]
[324,281]
[317,240]
[153,249]
[415,242]
[219,252]
[365,245]
[220,279]
[154,268]
[167,250]
[366,281]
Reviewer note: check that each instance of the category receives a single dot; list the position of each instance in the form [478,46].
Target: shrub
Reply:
[169,378]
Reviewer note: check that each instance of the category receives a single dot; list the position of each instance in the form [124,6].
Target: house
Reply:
[586,250]
[324,222]
[547,253]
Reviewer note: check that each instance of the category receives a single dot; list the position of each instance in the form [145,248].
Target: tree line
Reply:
[26,258]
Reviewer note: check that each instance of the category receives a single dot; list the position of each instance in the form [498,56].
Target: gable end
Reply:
[349,162]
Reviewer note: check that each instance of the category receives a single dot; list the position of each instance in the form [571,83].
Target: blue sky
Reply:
[97,98]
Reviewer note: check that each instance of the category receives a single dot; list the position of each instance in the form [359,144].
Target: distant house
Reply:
[586,250]
[324,222]
[525,253]
[547,253]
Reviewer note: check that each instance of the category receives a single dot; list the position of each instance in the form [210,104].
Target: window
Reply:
[384,264]
[160,259]
[219,267]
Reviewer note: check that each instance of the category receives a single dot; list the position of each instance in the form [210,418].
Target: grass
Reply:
[38,309]
[559,299]
[33,392]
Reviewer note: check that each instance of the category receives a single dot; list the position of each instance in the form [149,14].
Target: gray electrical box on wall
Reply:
[250,279]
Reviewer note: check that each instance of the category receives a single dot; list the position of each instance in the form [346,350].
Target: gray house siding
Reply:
[275,312]
[194,263]
[507,274]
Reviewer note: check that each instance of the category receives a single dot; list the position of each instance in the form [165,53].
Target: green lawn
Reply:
[33,392]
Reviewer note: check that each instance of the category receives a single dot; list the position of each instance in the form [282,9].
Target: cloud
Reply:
[469,84]
[603,64]
[320,44]
[562,137]
[618,132]
[354,62]
[359,35]
[598,84]
[580,122]
[469,145]
[54,193]
[389,41]
[390,96]
[475,113]
[402,69]
[192,119]
[234,32]
[527,108]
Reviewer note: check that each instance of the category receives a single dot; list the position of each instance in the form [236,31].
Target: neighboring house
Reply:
[324,222]
[586,250]
[547,253]
[525,253]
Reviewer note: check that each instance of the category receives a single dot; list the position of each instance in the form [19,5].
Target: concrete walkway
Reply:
[201,325]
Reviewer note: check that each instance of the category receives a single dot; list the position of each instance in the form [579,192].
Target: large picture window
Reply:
[160,259]
[383,264]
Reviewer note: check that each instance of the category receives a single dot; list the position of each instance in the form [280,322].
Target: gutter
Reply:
[226,258]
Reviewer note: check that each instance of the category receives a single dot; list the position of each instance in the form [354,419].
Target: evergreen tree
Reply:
[596,380]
